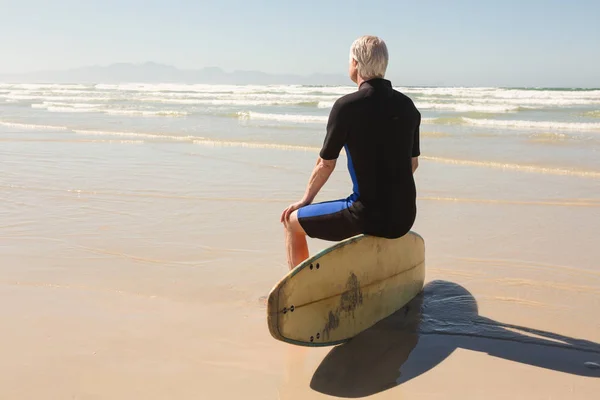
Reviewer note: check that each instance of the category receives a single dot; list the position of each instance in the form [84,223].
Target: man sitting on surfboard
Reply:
[379,129]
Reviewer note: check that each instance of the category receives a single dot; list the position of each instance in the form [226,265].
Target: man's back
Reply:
[380,129]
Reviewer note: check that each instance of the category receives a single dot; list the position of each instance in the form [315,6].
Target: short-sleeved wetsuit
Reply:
[379,129]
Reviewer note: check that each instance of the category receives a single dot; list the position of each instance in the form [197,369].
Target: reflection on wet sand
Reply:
[443,318]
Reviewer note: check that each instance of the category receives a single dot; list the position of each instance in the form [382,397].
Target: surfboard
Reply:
[346,288]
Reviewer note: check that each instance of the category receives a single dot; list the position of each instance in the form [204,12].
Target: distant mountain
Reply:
[159,73]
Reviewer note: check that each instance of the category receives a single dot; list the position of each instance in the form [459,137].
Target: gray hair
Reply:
[372,57]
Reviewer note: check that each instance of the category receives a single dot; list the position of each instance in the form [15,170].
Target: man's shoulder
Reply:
[349,99]
[403,97]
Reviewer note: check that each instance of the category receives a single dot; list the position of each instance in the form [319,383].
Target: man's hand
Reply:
[285,215]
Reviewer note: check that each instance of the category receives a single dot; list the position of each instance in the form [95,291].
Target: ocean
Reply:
[549,131]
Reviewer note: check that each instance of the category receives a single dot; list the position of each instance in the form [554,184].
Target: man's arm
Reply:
[415,164]
[321,173]
[332,145]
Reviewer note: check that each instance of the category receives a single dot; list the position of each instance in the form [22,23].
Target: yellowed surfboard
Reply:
[345,289]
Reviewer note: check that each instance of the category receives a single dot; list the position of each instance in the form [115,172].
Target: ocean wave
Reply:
[45,97]
[501,93]
[295,118]
[527,102]
[96,108]
[47,104]
[230,98]
[65,108]
[493,93]
[42,86]
[223,88]
[145,113]
[36,127]
[443,121]
[517,124]
[155,136]
[504,97]
[234,102]
[487,100]
[490,108]
[325,104]
[513,124]
[70,109]
[268,99]
[253,145]
[515,167]
[455,104]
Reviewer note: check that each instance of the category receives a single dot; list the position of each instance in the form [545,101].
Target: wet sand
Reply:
[136,271]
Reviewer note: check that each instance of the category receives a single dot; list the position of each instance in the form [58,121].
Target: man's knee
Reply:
[293,225]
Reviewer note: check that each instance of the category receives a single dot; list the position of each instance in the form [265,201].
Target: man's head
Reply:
[368,58]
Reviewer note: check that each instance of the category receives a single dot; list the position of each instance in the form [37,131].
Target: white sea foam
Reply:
[69,109]
[45,97]
[497,108]
[325,104]
[234,89]
[47,104]
[516,167]
[155,136]
[532,103]
[282,117]
[146,113]
[253,145]
[517,124]
[232,102]
[201,97]
[36,127]
[490,100]
[501,93]
[42,86]
[97,108]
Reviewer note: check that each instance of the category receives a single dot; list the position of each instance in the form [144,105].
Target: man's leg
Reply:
[295,241]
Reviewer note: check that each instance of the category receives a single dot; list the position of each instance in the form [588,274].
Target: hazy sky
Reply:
[462,42]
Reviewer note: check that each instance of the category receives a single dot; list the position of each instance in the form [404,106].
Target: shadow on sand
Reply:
[441,319]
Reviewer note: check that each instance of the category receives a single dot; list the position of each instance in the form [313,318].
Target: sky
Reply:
[548,43]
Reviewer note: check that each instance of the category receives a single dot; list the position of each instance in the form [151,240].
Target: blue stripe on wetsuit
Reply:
[352,172]
[326,208]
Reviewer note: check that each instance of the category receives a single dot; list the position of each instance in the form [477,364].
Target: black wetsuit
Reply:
[379,129]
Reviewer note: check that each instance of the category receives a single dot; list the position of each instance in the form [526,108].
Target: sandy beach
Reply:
[115,290]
